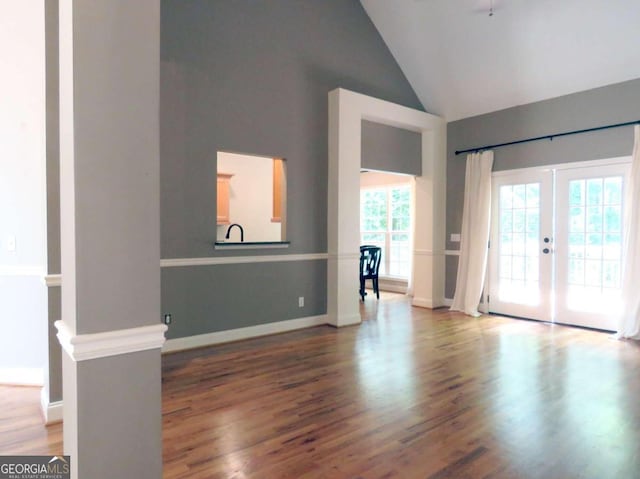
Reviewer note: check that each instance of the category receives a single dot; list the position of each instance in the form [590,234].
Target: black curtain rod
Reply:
[545,137]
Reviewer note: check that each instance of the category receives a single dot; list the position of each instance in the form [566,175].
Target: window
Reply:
[385,221]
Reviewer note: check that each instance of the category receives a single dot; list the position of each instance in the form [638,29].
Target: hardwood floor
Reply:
[21,424]
[410,393]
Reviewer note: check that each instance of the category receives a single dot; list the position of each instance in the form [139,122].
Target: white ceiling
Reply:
[461,62]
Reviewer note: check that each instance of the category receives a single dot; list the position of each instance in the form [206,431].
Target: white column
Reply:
[110,248]
[346,112]
[343,211]
[428,254]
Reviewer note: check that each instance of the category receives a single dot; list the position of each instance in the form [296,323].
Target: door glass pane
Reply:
[400,257]
[594,191]
[576,192]
[400,208]
[613,191]
[519,248]
[576,219]
[373,210]
[611,248]
[612,218]
[594,243]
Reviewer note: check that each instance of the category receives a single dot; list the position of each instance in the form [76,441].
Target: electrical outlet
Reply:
[301,302]
[167,319]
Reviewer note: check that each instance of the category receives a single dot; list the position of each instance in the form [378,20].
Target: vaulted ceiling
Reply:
[461,61]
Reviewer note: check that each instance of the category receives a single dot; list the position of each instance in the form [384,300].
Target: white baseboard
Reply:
[201,340]
[422,302]
[22,376]
[447,302]
[393,286]
[52,411]
[428,303]
[344,320]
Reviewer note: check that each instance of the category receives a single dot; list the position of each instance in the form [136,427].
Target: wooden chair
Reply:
[369,265]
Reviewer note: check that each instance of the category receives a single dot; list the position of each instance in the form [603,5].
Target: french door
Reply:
[556,243]
[520,274]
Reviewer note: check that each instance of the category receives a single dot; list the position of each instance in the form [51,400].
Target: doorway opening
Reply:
[386,206]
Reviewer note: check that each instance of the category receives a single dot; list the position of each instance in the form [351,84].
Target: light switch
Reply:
[455,237]
[11,244]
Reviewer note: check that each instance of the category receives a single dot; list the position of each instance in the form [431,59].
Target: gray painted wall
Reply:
[257,295]
[387,148]
[617,103]
[53,375]
[115,136]
[253,77]
[131,385]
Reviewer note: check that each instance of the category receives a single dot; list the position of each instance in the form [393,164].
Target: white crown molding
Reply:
[176,262]
[81,347]
[52,280]
[201,340]
[452,252]
[20,270]
[51,411]
[22,376]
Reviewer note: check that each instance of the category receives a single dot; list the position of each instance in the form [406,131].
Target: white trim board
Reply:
[565,166]
[274,258]
[20,270]
[232,246]
[52,280]
[81,347]
[426,302]
[209,339]
[392,285]
[22,376]
[51,411]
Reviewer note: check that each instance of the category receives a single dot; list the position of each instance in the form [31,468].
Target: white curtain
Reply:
[629,321]
[474,236]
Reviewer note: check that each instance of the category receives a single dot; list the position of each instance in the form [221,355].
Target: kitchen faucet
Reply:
[241,232]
